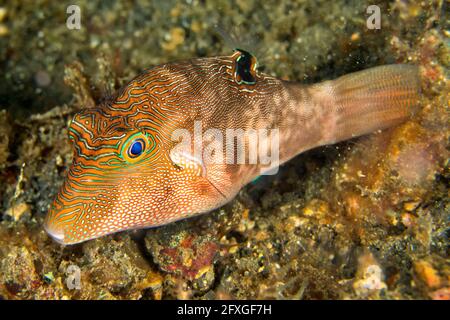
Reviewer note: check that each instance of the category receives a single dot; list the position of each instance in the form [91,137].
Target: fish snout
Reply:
[54,231]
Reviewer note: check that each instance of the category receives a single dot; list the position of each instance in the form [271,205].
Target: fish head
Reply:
[125,174]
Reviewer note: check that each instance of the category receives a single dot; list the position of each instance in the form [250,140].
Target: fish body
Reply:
[133,166]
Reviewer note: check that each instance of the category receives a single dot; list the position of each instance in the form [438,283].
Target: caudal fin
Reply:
[374,99]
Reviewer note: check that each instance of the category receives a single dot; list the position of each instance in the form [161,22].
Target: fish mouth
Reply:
[54,233]
[58,235]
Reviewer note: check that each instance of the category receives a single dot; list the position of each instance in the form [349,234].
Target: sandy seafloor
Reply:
[364,219]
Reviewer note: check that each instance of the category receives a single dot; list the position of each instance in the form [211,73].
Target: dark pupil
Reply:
[136,148]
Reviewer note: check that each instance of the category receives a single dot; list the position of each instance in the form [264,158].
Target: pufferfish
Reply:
[128,171]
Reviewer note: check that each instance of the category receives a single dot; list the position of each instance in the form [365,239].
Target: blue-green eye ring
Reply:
[136,148]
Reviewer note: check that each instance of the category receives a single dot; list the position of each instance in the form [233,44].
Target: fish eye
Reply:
[136,148]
